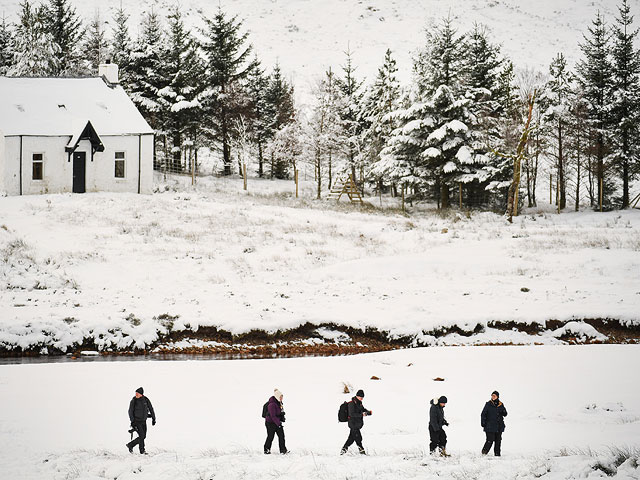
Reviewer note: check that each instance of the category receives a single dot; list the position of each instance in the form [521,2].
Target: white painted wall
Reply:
[58,170]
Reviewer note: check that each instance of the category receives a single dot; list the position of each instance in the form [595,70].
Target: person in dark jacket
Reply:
[437,422]
[492,421]
[273,422]
[140,409]
[357,412]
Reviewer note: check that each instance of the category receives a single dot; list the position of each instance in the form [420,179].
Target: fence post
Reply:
[244,174]
[296,177]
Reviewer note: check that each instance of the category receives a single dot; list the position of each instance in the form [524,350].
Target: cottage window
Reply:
[37,172]
[119,164]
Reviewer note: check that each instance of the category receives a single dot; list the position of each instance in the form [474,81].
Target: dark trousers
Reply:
[354,436]
[273,429]
[141,428]
[491,438]
[438,439]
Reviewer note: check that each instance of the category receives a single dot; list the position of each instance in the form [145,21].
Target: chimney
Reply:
[109,71]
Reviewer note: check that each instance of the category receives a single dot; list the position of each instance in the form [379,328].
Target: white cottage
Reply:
[72,135]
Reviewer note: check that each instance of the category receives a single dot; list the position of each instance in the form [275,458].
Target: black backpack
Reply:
[265,409]
[343,412]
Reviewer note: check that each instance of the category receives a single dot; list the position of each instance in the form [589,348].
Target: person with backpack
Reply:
[273,414]
[355,418]
[492,421]
[437,422]
[140,409]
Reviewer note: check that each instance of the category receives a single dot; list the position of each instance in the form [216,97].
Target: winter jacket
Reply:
[275,413]
[356,413]
[140,409]
[492,416]
[436,416]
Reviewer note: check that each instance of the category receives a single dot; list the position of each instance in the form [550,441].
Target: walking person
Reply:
[140,409]
[437,422]
[357,412]
[492,421]
[273,421]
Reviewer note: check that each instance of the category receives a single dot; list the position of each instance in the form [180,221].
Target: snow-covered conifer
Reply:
[626,99]
[6,46]
[35,53]
[380,100]
[65,27]
[280,105]
[351,90]
[146,76]
[556,102]
[595,74]
[120,44]
[228,63]
[95,46]
[179,102]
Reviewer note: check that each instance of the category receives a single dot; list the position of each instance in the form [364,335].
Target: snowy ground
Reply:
[285,31]
[106,266]
[568,405]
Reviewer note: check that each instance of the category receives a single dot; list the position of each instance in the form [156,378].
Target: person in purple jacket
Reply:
[273,422]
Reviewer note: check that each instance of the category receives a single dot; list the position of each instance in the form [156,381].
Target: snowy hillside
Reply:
[572,413]
[120,270]
[308,36]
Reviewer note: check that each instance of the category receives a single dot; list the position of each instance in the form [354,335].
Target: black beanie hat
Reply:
[140,391]
[360,393]
[442,399]
[496,393]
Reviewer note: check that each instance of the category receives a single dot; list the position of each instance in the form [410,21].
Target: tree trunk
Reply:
[515,184]
[444,196]
[561,183]
[260,160]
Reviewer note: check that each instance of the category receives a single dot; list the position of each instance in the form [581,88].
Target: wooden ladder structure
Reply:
[348,187]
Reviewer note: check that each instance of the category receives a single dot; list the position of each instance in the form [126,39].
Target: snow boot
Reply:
[129,448]
[362,452]
[267,452]
[343,451]
[443,453]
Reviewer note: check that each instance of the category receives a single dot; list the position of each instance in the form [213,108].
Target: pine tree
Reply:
[179,103]
[261,114]
[35,53]
[595,74]
[95,47]
[279,101]
[65,27]
[441,61]
[228,63]
[6,46]
[556,102]
[482,68]
[120,45]
[434,146]
[626,99]
[146,76]
[380,100]
[351,90]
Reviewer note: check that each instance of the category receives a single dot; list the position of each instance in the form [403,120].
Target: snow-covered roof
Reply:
[56,106]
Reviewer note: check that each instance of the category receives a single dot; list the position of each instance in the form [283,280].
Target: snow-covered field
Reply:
[108,266]
[285,31]
[568,406]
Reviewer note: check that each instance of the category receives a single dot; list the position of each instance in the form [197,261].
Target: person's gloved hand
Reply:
[153,422]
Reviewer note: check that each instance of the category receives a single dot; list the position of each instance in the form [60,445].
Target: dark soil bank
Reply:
[307,340]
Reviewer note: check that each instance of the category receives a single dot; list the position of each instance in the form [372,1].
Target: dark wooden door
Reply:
[79,172]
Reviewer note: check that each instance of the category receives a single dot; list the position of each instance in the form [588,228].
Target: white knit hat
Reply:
[277,393]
